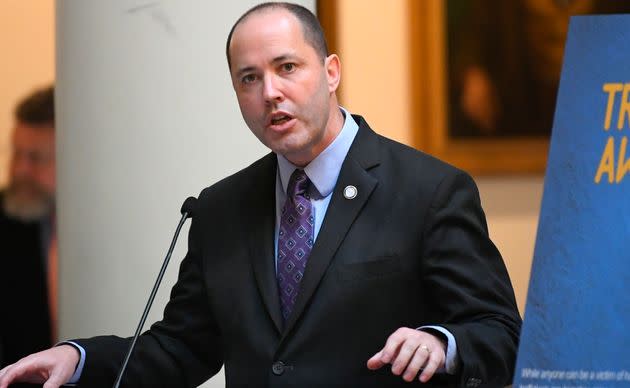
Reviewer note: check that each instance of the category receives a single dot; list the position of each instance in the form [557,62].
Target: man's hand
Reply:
[52,367]
[409,350]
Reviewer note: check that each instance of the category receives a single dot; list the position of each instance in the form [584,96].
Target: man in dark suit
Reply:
[339,253]
[27,230]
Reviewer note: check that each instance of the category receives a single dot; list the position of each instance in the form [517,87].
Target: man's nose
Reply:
[24,163]
[21,166]
[271,90]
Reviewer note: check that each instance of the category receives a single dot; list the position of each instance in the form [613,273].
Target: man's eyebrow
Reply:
[244,70]
[276,60]
[283,58]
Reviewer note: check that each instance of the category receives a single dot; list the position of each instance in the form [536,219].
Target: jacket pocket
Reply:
[375,267]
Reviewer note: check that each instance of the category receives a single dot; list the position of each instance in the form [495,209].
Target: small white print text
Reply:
[551,376]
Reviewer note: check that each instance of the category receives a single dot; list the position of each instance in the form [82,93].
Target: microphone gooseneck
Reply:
[188,210]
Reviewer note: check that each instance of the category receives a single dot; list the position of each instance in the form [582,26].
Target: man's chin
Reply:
[298,157]
[293,147]
[27,210]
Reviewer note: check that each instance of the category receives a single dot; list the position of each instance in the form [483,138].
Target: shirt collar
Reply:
[323,171]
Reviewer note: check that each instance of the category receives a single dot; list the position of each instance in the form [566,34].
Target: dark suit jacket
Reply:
[411,249]
[25,325]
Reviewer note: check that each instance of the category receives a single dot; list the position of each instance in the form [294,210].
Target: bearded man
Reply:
[28,253]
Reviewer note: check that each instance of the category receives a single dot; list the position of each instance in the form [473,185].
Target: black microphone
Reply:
[188,211]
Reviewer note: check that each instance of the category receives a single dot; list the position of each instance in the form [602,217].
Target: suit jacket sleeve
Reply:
[469,283]
[182,350]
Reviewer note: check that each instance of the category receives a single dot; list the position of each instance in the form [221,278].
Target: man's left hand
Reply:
[409,351]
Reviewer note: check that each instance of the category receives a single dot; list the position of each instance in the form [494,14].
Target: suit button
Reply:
[277,368]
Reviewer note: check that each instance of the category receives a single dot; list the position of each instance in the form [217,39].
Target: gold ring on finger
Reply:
[425,348]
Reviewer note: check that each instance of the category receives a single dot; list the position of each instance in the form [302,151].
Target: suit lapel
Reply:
[261,238]
[340,215]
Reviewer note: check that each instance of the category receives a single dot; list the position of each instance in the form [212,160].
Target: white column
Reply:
[146,117]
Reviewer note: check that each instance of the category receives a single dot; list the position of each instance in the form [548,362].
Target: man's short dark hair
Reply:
[38,108]
[312,30]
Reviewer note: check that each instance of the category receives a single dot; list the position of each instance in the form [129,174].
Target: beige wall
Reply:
[27,47]
[373,45]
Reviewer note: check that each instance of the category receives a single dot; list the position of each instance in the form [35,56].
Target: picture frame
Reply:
[478,155]
[429,98]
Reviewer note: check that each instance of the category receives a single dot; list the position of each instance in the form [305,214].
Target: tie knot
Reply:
[298,184]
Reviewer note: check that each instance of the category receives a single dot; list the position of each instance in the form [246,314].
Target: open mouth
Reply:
[280,120]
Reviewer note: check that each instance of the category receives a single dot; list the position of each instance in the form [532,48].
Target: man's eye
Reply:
[288,67]
[248,79]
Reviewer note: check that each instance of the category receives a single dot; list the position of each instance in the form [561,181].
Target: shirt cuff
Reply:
[74,380]
[452,362]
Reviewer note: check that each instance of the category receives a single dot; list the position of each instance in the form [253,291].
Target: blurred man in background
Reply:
[28,253]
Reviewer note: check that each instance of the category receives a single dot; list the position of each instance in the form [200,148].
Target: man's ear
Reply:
[333,72]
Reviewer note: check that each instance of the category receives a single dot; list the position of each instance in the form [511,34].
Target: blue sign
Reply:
[576,331]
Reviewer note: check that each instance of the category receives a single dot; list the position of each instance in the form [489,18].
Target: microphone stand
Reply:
[185,215]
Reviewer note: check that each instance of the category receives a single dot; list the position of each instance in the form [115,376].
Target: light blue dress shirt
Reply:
[323,172]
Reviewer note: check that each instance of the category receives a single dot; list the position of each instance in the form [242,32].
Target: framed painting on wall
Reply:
[485,75]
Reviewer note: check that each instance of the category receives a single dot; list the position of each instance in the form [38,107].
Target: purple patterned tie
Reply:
[295,240]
